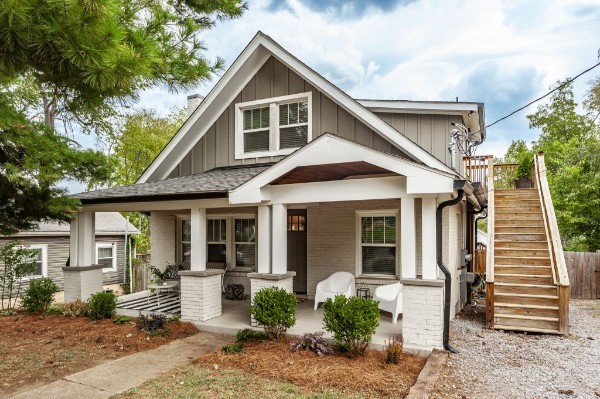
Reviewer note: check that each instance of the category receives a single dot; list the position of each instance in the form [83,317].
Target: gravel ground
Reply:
[495,364]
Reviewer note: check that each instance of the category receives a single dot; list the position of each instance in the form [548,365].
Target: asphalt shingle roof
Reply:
[215,181]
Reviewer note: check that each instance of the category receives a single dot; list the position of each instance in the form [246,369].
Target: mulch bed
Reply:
[38,349]
[368,376]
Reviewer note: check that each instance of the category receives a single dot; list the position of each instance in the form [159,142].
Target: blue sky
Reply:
[502,53]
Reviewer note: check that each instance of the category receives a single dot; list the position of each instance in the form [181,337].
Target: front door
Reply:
[296,247]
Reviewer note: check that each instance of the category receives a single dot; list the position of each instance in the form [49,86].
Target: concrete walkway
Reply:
[120,375]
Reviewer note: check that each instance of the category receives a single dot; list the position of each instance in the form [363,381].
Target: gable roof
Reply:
[107,223]
[251,59]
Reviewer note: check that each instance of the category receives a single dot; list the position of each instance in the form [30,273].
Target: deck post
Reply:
[279,237]
[264,239]
[428,238]
[198,239]
[408,248]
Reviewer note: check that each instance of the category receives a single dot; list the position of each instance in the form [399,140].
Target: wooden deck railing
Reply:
[505,175]
[557,258]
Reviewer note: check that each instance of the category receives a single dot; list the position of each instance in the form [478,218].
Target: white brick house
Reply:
[287,179]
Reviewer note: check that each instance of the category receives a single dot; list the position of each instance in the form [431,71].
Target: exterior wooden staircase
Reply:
[527,285]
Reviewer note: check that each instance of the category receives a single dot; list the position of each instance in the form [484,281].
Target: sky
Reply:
[501,53]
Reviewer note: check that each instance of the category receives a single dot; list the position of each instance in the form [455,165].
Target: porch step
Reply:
[526,299]
[521,244]
[520,229]
[517,221]
[527,329]
[518,237]
[525,310]
[520,252]
[523,260]
[515,278]
[518,322]
[523,288]
[523,270]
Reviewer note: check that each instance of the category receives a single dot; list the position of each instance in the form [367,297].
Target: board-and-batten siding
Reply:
[216,148]
[58,253]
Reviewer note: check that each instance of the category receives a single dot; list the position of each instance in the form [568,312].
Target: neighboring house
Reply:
[51,243]
[286,179]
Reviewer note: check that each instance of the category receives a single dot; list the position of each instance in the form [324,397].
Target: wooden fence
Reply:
[584,274]
[139,276]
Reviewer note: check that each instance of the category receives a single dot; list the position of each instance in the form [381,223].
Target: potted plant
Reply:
[524,171]
[157,275]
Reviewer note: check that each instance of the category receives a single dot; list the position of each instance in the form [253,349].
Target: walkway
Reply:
[128,372]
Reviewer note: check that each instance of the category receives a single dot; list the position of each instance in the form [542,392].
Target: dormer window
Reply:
[274,126]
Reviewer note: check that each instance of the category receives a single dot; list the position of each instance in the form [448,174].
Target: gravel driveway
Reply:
[495,364]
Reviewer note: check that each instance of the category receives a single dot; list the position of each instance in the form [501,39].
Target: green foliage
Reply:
[234,348]
[122,320]
[35,160]
[524,170]
[39,295]
[102,305]
[248,334]
[16,262]
[77,308]
[352,321]
[275,309]
[162,332]
[393,350]
[515,152]
[570,141]
[54,310]
[161,275]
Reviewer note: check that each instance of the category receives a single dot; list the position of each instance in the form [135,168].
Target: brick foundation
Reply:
[423,313]
[258,281]
[82,282]
[200,295]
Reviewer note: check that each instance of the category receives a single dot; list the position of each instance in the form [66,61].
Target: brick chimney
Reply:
[193,102]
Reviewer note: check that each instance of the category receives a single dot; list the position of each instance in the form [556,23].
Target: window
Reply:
[216,238]
[185,245]
[377,243]
[245,243]
[275,126]
[296,223]
[106,255]
[40,258]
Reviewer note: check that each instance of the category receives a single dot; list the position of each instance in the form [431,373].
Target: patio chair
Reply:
[339,283]
[390,299]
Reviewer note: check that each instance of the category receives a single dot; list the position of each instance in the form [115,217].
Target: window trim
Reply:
[113,246]
[44,248]
[274,127]
[358,230]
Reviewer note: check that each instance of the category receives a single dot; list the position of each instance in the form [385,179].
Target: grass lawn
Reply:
[37,349]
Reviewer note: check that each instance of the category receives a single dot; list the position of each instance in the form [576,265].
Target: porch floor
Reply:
[236,316]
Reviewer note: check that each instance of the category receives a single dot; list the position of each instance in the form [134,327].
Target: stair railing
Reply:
[560,275]
[489,267]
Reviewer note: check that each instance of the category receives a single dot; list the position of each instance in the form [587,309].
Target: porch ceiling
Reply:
[331,172]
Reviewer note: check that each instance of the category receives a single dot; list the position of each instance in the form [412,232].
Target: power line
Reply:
[540,98]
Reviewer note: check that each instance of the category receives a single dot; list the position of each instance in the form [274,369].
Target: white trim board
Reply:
[252,58]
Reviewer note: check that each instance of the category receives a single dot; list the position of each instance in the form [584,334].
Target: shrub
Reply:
[313,342]
[248,334]
[39,295]
[275,309]
[393,349]
[102,305]
[152,322]
[234,292]
[233,348]
[77,308]
[16,262]
[122,320]
[162,332]
[352,321]
[54,311]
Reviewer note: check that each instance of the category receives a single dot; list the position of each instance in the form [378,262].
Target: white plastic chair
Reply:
[336,284]
[390,299]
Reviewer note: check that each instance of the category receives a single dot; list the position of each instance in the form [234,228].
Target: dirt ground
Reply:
[35,350]
[367,376]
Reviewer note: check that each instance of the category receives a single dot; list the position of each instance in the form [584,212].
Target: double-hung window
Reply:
[40,258]
[216,238]
[245,243]
[275,126]
[106,255]
[377,243]
[185,243]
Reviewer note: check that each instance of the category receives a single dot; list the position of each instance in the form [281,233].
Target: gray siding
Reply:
[58,253]
[274,79]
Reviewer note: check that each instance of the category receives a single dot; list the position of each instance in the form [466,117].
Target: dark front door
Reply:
[296,247]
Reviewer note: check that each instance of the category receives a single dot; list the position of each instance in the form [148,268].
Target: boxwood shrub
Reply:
[275,309]
[102,305]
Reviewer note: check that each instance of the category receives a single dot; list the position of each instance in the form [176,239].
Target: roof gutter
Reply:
[462,187]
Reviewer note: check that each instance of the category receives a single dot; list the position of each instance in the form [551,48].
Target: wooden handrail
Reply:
[489,267]
[560,274]
[538,186]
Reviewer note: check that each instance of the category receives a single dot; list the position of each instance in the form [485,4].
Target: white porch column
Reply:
[407,235]
[428,238]
[82,244]
[198,239]
[264,239]
[279,237]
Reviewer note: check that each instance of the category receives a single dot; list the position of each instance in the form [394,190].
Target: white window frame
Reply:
[227,236]
[113,246]
[374,213]
[273,103]
[44,249]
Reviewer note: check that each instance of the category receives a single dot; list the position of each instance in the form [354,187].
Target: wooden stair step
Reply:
[524,288]
[520,251]
[553,297]
[521,321]
[520,229]
[521,244]
[521,270]
[513,305]
[522,260]
[527,329]
[516,316]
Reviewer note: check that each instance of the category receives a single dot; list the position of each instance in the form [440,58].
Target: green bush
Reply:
[122,320]
[102,305]
[393,349]
[39,295]
[275,309]
[524,170]
[234,348]
[54,311]
[352,321]
[77,308]
[248,334]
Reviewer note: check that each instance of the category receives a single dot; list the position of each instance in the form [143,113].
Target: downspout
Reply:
[444,269]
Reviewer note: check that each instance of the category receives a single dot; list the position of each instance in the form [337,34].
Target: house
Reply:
[51,243]
[286,179]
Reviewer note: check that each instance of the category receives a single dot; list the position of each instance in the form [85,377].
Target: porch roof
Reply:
[215,183]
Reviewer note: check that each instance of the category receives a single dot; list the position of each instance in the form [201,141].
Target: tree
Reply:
[517,150]
[33,162]
[87,57]
[571,143]
[16,262]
